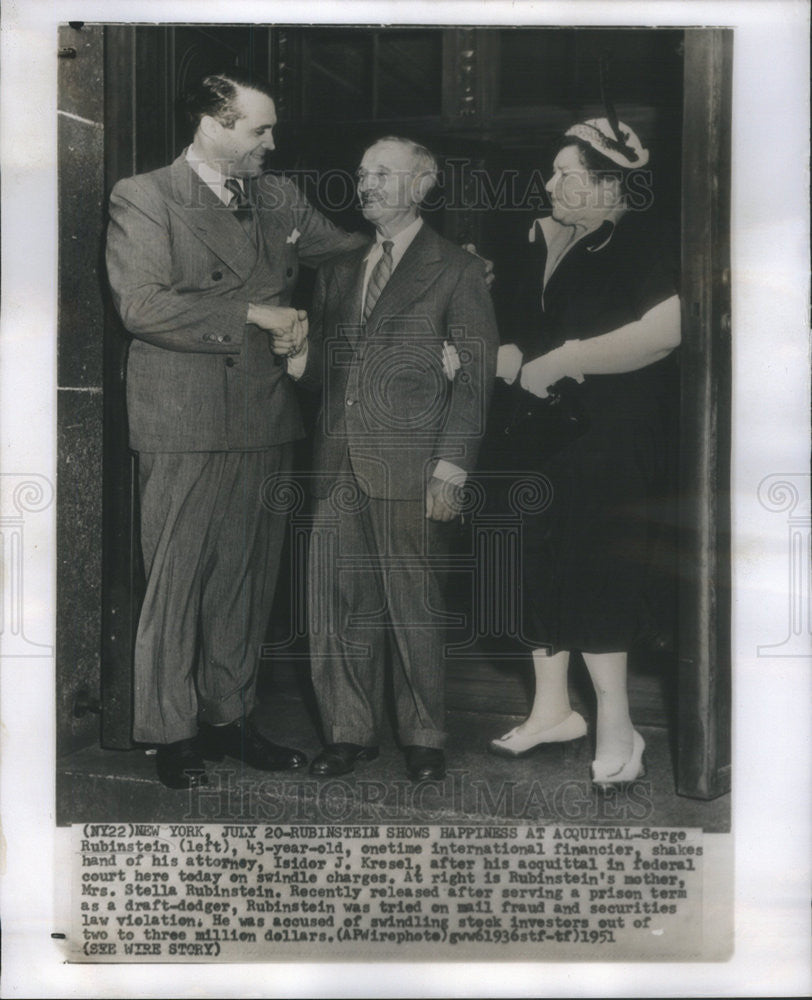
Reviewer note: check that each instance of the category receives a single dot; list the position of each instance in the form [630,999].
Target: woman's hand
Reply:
[508,363]
[626,349]
[537,376]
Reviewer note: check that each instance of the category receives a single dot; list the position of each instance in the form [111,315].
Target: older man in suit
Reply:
[398,433]
[202,257]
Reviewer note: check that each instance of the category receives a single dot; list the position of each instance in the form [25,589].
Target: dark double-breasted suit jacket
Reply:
[183,271]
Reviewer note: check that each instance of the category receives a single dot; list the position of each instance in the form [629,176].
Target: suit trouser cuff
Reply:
[144,734]
[350,734]
[423,738]
[234,707]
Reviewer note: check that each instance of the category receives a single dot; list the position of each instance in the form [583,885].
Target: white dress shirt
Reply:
[400,244]
[212,177]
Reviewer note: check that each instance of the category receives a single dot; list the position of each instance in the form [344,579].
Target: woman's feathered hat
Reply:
[620,145]
[613,138]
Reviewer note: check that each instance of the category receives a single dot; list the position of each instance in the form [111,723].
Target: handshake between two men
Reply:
[287,330]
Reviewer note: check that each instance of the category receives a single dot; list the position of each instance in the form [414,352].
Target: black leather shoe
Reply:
[425,763]
[240,740]
[340,758]
[180,765]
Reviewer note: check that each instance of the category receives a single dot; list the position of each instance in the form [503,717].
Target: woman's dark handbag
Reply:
[537,428]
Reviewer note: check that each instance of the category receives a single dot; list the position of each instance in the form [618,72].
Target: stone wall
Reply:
[80,398]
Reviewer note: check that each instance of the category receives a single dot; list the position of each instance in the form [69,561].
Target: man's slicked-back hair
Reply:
[216,95]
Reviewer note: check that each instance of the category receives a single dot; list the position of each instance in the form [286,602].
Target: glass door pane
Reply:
[338,74]
[409,69]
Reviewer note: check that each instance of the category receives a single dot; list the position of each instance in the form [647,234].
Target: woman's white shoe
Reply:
[633,769]
[517,743]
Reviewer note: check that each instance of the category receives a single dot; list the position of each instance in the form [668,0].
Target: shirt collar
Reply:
[400,243]
[210,175]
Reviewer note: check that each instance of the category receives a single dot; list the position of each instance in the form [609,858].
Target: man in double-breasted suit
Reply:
[395,438]
[202,257]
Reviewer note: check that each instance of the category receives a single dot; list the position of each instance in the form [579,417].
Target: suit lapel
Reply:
[349,277]
[418,267]
[210,220]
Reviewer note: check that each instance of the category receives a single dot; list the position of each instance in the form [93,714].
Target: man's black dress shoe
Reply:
[340,758]
[240,740]
[180,765]
[425,763]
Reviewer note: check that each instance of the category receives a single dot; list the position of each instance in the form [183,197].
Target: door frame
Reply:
[704,642]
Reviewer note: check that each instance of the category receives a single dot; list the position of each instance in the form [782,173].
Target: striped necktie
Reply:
[380,275]
[240,203]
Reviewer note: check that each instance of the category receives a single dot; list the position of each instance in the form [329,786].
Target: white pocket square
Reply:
[294,237]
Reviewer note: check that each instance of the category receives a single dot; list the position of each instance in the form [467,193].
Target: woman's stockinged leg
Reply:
[551,719]
[615,733]
[551,702]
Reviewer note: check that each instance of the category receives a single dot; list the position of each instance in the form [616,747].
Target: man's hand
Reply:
[290,342]
[443,500]
[272,317]
[287,327]
[489,275]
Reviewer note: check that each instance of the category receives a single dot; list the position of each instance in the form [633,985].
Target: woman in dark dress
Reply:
[605,314]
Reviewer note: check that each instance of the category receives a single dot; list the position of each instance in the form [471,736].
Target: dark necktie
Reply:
[380,275]
[240,203]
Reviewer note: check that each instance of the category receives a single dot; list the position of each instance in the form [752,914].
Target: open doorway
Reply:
[491,99]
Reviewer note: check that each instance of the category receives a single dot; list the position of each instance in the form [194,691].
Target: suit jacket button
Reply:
[227,338]
[230,361]
[350,402]
[289,272]
[216,275]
